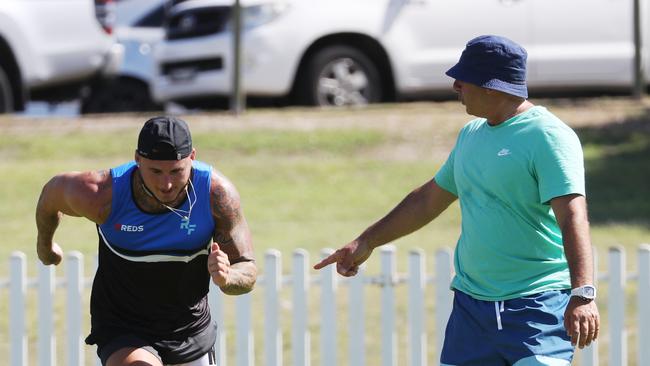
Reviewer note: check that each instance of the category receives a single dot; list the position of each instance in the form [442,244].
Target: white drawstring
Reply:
[498,309]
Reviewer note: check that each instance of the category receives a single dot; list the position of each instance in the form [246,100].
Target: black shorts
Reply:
[168,351]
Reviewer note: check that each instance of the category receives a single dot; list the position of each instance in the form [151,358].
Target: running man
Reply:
[167,223]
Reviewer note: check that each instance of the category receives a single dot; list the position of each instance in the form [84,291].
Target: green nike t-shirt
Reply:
[505,176]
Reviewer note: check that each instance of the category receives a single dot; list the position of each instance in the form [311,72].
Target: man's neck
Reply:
[146,199]
[507,109]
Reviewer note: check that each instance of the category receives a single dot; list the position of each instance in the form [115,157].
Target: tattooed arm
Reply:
[231,263]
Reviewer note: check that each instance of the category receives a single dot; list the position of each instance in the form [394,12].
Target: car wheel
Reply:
[118,95]
[340,76]
[6,96]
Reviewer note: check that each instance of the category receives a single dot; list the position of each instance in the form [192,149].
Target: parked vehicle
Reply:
[50,49]
[341,52]
[138,28]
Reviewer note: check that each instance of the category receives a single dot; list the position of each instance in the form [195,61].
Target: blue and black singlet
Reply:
[152,278]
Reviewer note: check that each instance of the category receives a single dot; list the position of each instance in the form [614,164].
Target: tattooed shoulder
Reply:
[225,198]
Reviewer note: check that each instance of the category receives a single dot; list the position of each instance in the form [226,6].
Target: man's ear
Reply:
[193,154]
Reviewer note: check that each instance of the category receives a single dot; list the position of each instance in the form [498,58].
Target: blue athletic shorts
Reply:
[525,331]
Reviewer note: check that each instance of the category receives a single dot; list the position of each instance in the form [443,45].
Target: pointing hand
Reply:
[348,258]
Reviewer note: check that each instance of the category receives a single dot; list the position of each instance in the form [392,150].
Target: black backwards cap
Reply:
[165,138]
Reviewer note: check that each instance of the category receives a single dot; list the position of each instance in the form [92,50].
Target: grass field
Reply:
[315,178]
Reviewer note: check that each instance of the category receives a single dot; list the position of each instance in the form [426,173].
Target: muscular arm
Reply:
[581,318]
[233,238]
[81,194]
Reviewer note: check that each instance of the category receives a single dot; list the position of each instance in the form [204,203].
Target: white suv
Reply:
[49,49]
[346,52]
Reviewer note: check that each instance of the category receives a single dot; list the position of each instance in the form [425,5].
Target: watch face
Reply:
[586,292]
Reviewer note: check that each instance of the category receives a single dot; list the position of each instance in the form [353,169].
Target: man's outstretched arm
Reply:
[417,209]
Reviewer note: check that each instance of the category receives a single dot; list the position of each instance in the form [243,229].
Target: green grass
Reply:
[618,173]
[273,141]
[315,185]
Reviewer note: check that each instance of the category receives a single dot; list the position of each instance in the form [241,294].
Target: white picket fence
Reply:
[301,281]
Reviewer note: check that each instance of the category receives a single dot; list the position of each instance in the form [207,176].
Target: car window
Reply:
[154,18]
[132,12]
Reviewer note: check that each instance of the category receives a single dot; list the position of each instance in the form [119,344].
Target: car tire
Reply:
[6,96]
[118,95]
[339,76]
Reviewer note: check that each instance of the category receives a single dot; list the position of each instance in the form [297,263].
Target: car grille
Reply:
[198,22]
[170,68]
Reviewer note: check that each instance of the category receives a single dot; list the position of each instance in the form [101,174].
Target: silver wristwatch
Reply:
[586,292]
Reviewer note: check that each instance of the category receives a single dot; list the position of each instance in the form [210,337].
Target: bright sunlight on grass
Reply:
[316,178]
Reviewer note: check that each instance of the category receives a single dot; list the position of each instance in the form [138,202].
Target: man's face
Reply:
[471,96]
[166,179]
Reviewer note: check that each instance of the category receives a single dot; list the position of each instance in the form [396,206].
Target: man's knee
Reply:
[130,356]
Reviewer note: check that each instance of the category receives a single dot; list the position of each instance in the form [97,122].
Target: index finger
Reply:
[573,330]
[333,258]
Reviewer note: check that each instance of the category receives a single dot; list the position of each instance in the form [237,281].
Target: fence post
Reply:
[590,353]
[618,333]
[444,297]
[416,314]
[328,347]
[357,305]
[272,285]
[216,303]
[643,305]
[389,335]
[17,329]
[245,339]
[301,338]
[46,339]
[74,281]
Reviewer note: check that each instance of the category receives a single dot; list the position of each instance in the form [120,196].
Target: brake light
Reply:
[105,13]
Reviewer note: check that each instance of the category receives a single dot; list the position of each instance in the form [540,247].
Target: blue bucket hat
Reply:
[493,62]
